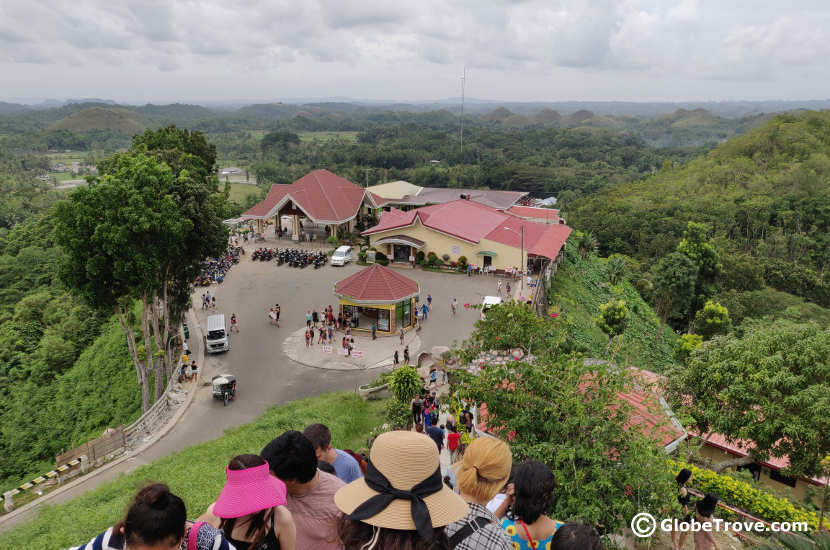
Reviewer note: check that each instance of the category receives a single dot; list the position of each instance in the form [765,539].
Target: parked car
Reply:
[216,339]
[342,255]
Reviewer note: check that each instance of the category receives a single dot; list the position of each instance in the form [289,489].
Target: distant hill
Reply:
[683,118]
[115,119]
[178,113]
[12,108]
[498,115]
[765,196]
[547,116]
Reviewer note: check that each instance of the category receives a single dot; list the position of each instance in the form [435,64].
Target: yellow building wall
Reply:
[506,256]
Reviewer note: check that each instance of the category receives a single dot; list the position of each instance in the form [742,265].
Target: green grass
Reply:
[64,176]
[197,473]
[581,286]
[241,190]
[347,136]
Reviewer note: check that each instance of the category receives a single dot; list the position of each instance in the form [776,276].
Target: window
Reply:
[786,480]
[383,319]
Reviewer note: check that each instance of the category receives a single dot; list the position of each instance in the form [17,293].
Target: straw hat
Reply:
[405,459]
[248,491]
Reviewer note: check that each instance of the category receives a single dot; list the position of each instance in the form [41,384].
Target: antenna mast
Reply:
[463,79]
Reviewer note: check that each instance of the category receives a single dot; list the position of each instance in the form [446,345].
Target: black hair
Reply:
[319,435]
[354,535]
[326,467]
[575,536]
[259,521]
[684,476]
[706,507]
[155,515]
[291,457]
[533,484]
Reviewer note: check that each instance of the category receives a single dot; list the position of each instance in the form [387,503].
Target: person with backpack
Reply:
[157,518]
[479,476]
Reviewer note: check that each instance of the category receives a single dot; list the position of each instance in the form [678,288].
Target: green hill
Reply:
[765,197]
[115,119]
[580,287]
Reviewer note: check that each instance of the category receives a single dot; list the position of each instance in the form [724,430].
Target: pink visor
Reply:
[249,491]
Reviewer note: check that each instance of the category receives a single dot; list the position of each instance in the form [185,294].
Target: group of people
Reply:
[208,301]
[301,492]
[189,370]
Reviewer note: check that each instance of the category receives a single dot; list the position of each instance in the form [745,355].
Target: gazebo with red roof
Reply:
[378,295]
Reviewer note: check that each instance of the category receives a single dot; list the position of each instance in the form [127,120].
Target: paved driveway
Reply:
[266,376]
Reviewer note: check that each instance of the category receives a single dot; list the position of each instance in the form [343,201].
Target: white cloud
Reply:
[410,48]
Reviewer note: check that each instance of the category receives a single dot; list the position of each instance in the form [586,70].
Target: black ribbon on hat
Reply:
[378,503]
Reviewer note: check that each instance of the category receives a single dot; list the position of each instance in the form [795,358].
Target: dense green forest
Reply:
[764,197]
[763,200]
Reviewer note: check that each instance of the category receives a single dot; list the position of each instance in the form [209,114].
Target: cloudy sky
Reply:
[521,50]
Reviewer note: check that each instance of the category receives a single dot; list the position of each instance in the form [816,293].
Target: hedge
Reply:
[745,496]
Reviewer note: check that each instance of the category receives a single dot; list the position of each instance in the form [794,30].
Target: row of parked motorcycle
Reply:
[297,257]
[214,269]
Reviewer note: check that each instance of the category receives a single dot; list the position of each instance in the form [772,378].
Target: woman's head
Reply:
[533,487]
[356,535]
[574,536]
[484,469]
[684,476]
[155,519]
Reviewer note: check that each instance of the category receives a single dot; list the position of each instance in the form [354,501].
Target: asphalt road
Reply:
[266,377]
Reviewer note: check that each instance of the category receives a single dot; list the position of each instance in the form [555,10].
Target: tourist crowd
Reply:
[302,493]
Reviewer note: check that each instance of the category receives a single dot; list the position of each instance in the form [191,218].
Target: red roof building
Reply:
[323,197]
[542,215]
[376,284]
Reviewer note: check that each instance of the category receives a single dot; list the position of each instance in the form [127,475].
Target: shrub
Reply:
[432,255]
[445,257]
[381,258]
[745,496]
[684,347]
[405,384]
[333,240]
[361,256]
[419,256]
[462,262]
[398,415]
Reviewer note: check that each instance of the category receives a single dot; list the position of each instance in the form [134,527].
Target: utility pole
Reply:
[463,81]
[367,176]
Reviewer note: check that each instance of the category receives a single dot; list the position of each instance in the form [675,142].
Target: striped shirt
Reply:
[209,538]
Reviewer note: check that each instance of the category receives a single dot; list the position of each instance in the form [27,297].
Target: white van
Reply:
[342,255]
[489,301]
[216,339]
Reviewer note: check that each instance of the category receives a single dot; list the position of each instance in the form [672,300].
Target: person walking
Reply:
[508,289]
[454,306]
[429,302]
[406,355]
[234,323]
[321,335]
[529,528]
[307,338]
[499,288]
[395,359]
[416,405]
[424,310]
[331,333]
[213,302]
[374,331]
[315,317]
[277,311]
[401,335]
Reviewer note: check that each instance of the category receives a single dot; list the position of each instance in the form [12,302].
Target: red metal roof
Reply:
[376,283]
[531,212]
[473,221]
[323,196]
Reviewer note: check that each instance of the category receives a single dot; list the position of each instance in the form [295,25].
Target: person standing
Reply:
[307,338]
[344,464]
[331,333]
[315,317]
[277,311]
[374,331]
[479,476]
[436,434]
[417,405]
[213,302]
[401,335]
[429,302]
[454,306]
[406,355]
[529,528]
[395,359]
[234,324]
[453,439]
[424,310]
[499,288]
[308,318]
[704,511]
[310,492]
[321,335]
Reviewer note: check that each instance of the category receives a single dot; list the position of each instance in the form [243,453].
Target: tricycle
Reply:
[224,387]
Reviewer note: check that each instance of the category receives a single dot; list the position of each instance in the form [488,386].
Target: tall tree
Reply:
[769,390]
[674,279]
[186,189]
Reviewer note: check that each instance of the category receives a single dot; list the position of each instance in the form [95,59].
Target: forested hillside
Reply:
[764,199]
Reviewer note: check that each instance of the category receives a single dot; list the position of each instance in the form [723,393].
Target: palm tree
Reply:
[588,244]
[616,269]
